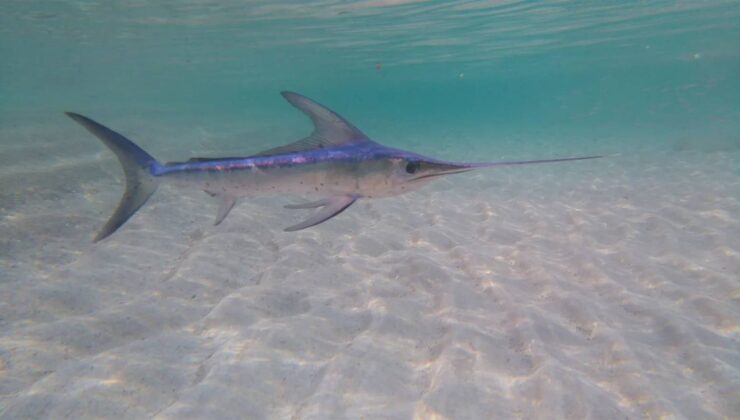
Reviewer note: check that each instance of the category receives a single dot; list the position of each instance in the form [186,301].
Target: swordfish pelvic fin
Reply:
[332,206]
[309,205]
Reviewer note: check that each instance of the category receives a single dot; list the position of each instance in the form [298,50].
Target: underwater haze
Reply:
[607,288]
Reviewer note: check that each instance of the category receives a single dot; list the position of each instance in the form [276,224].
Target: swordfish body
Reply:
[337,162]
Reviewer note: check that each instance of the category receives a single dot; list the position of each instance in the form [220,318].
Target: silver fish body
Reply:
[337,162]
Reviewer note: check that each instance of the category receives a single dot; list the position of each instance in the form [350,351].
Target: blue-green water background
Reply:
[598,289]
[502,77]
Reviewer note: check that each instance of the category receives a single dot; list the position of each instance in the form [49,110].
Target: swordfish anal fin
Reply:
[331,207]
[227,203]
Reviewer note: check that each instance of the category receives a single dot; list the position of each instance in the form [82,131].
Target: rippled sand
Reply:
[601,289]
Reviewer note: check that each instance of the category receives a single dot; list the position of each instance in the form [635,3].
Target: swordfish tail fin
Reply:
[138,167]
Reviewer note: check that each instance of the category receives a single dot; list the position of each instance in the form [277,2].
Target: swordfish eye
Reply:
[412,166]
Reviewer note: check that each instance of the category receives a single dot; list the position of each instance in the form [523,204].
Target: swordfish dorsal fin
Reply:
[330,129]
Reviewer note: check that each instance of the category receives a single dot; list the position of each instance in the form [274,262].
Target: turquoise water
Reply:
[595,289]
[656,70]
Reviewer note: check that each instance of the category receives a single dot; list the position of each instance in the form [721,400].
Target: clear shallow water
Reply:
[492,292]
[661,67]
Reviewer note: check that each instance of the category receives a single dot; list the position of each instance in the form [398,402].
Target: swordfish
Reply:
[336,162]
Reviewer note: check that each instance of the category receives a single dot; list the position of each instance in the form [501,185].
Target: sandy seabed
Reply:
[601,289]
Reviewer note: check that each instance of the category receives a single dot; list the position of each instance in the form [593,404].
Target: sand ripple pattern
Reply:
[606,290]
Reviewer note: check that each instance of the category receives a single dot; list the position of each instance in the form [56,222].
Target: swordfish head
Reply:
[388,172]
[393,171]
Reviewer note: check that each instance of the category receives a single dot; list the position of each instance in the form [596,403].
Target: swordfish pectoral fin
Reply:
[332,207]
